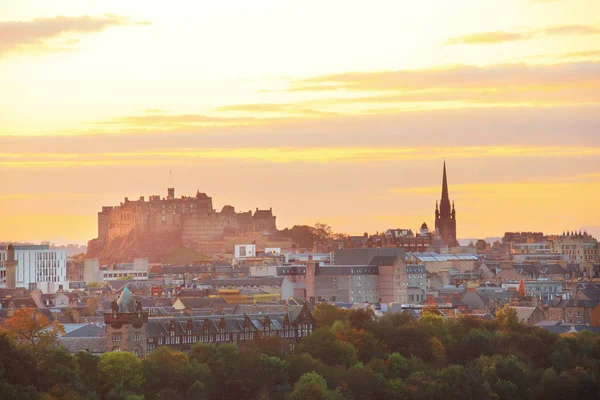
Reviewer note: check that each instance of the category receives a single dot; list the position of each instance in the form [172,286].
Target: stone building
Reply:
[445,217]
[194,217]
[129,329]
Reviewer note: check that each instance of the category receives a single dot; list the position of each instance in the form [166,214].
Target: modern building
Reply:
[37,267]
[93,272]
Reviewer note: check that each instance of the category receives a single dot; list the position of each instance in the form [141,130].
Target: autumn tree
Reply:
[27,326]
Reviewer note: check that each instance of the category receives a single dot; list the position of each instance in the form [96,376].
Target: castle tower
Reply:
[11,267]
[445,216]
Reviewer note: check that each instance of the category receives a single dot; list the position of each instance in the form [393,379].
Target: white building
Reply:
[38,267]
[245,251]
[94,272]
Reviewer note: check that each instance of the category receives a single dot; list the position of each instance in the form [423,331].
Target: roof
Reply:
[383,260]
[182,269]
[264,281]
[435,257]
[94,345]
[126,302]
[566,328]
[364,256]
[230,322]
[202,302]
[473,301]
[193,293]
[524,313]
[85,330]
[12,292]
[293,310]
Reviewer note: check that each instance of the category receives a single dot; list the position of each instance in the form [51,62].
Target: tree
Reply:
[121,369]
[311,386]
[27,326]
[507,317]
[165,368]
[326,314]
[322,344]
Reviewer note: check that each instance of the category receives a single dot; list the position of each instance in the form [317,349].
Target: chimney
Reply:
[11,267]
[171,193]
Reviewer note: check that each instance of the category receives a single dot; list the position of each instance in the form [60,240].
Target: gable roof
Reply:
[524,313]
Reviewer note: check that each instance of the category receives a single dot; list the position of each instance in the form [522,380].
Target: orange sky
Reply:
[339,111]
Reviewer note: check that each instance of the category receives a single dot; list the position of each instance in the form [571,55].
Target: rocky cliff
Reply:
[155,247]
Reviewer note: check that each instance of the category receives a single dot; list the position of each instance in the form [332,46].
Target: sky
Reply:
[340,112]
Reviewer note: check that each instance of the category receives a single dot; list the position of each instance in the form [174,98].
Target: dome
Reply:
[424,226]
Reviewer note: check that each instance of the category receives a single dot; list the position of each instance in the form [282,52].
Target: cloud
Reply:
[462,76]
[35,34]
[155,119]
[505,36]
[570,30]
[585,54]
[290,155]
[538,96]
[277,108]
[488,37]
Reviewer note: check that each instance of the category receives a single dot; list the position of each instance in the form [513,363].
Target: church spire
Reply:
[445,202]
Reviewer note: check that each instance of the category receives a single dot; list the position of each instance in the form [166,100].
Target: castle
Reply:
[191,218]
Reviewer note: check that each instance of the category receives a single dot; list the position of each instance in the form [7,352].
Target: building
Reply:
[129,329]
[37,267]
[347,283]
[94,272]
[578,247]
[445,217]
[400,282]
[193,219]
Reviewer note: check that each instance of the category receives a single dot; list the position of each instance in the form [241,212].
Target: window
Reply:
[116,337]
[137,337]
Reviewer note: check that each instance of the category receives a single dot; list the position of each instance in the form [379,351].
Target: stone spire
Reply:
[445,202]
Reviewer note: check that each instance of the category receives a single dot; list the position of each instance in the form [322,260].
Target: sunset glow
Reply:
[325,111]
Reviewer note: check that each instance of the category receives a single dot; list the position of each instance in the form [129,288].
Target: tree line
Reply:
[351,355]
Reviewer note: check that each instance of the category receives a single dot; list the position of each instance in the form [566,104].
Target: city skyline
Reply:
[347,126]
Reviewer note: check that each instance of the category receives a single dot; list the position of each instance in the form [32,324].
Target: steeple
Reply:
[445,215]
[445,202]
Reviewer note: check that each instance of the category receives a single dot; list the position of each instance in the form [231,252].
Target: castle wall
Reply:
[200,228]
[194,217]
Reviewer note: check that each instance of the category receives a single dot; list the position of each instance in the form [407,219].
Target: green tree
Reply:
[322,344]
[121,369]
[311,386]
[165,368]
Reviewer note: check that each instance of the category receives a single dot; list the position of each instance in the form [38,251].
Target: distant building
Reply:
[445,217]
[129,329]
[578,247]
[93,272]
[190,220]
[38,267]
